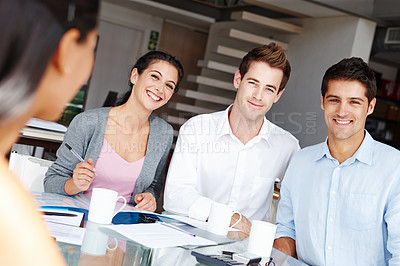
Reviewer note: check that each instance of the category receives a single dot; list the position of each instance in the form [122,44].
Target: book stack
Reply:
[36,128]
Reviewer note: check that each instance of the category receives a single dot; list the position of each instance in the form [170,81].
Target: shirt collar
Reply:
[363,154]
[224,128]
[265,131]
[323,152]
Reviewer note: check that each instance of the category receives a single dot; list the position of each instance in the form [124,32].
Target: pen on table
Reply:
[59,214]
[176,228]
[74,152]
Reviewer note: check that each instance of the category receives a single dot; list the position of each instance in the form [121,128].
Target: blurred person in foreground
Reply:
[46,55]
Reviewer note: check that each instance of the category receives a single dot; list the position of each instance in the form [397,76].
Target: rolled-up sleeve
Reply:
[392,219]
[284,217]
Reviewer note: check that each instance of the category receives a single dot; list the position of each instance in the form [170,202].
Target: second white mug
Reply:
[261,238]
[220,218]
[102,205]
[95,242]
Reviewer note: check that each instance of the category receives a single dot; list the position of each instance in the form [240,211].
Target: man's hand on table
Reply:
[244,225]
[286,245]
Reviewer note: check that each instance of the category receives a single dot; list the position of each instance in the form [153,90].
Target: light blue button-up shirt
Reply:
[343,214]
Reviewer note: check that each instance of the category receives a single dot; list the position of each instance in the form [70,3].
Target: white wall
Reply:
[323,42]
[363,38]
[123,38]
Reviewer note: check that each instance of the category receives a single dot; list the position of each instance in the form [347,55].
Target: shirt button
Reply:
[333,192]
[331,220]
[329,247]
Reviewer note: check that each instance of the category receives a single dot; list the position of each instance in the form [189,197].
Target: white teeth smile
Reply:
[343,122]
[153,96]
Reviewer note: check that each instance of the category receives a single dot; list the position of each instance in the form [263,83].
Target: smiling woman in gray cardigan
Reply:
[86,135]
[141,140]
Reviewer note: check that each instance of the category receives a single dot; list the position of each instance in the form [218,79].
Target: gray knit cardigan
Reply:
[86,135]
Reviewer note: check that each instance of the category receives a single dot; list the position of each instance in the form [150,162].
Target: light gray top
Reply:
[86,135]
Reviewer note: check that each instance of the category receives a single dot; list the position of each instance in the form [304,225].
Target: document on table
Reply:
[62,216]
[66,233]
[193,222]
[159,235]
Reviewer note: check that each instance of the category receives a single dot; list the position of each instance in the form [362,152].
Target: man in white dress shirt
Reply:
[234,156]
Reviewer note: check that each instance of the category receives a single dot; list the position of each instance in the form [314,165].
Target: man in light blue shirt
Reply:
[340,200]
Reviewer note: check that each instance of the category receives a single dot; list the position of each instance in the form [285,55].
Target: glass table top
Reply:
[103,246]
[106,247]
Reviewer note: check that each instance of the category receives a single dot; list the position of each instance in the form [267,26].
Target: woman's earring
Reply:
[67,69]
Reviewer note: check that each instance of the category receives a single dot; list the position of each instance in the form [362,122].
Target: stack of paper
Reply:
[53,126]
[64,225]
[66,233]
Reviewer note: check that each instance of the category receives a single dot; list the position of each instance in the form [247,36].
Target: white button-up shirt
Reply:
[210,164]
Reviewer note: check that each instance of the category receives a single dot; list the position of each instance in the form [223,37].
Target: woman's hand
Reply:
[146,202]
[83,175]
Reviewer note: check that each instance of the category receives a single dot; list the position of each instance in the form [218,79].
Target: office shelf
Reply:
[388,100]
[42,134]
[387,120]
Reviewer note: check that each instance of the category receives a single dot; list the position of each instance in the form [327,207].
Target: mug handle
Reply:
[116,245]
[123,206]
[240,218]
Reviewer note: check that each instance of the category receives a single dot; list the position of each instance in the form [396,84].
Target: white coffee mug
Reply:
[102,205]
[220,218]
[261,238]
[95,242]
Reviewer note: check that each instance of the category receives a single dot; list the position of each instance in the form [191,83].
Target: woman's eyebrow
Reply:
[154,70]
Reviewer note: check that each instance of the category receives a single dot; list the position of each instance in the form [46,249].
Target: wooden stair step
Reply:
[230,52]
[253,38]
[211,82]
[217,66]
[265,21]
[175,120]
[205,97]
[190,108]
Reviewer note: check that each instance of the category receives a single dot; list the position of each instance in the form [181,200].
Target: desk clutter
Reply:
[66,215]
[138,236]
